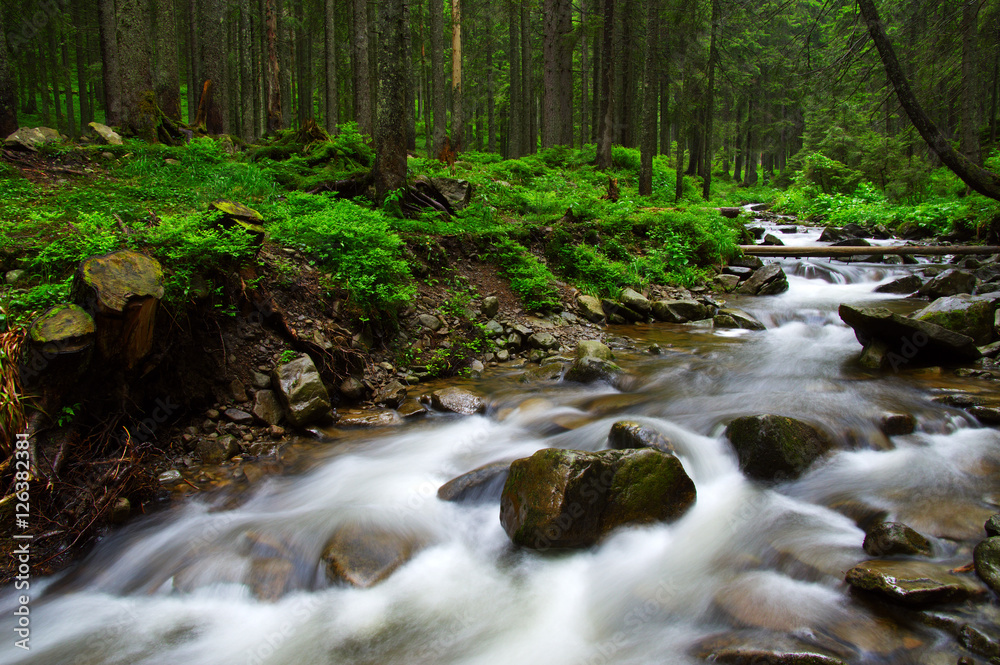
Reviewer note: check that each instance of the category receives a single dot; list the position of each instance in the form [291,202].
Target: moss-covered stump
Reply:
[771,447]
[570,498]
[237,214]
[61,343]
[122,290]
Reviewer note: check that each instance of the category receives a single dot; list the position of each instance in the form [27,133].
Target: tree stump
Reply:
[238,214]
[122,290]
[61,343]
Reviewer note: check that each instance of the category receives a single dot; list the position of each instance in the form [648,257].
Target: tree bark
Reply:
[67,73]
[213,66]
[194,77]
[491,130]
[390,128]
[606,118]
[440,102]
[362,73]
[109,62]
[530,136]
[584,74]
[246,74]
[979,179]
[515,115]
[8,87]
[710,101]
[273,101]
[457,103]
[557,91]
[330,50]
[649,90]
[82,78]
[970,105]
[167,83]
[139,113]
[285,70]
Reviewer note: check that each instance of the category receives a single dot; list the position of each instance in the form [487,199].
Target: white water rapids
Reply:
[169,589]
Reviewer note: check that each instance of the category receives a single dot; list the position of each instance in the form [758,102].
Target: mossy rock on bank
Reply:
[773,447]
[571,498]
[122,290]
[234,214]
[962,313]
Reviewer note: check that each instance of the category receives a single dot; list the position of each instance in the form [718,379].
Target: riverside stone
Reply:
[962,313]
[679,311]
[770,446]
[913,582]
[890,538]
[302,392]
[987,561]
[949,283]
[363,555]
[458,400]
[267,408]
[590,308]
[908,340]
[626,435]
[569,498]
[481,485]
[767,281]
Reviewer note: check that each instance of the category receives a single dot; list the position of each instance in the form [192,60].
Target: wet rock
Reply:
[302,392]
[679,311]
[171,476]
[752,262]
[619,312]
[833,234]
[949,283]
[628,435]
[120,511]
[104,134]
[392,395]
[753,648]
[987,560]
[903,285]
[590,308]
[217,451]
[739,271]
[239,416]
[726,282]
[569,498]
[730,317]
[913,582]
[981,640]
[591,348]
[851,242]
[590,369]
[908,340]
[429,322]
[481,485]
[353,389]
[962,313]
[364,555]
[771,447]
[476,369]
[635,301]
[772,240]
[267,408]
[767,281]
[261,381]
[891,538]
[543,340]
[897,424]
[411,408]
[992,526]
[270,578]
[542,373]
[458,400]
[490,306]
[372,418]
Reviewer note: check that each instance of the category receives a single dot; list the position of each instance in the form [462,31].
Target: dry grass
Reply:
[11,396]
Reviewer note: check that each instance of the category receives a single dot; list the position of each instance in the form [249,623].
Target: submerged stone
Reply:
[771,447]
[913,582]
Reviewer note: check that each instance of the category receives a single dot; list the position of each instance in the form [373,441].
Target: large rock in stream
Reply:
[302,392]
[571,498]
[905,340]
[987,561]
[363,555]
[949,283]
[964,314]
[767,281]
[773,447]
[481,485]
[913,582]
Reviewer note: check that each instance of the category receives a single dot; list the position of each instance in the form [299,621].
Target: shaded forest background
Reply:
[743,90]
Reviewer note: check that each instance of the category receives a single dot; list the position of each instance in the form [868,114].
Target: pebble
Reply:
[171,476]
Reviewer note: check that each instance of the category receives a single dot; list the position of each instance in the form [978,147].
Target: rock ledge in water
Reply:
[913,582]
[771,447]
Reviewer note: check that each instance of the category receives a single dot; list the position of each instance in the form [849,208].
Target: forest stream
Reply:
[750,563]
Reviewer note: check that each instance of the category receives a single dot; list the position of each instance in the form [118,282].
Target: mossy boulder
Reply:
[913,582]
[590,369]
[949,283]
[987,560]
[302,392]
[238,214]
[767,281]
[590,308]
[635,301]
[591,348]
[891,538]
[570,498]
[771,447]
[679,311]
[962,313]
[907,340]
[629,435]
[730,317]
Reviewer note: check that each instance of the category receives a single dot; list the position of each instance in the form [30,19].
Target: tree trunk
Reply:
[457,109]
[390,128]
[194,77]
[53,66]
[584,74]
[139,114]
[8,87]
[273,101]
[979,179]
[557,91]
[67,73]
[109,62]
[246,74]
[330,50]
[710,101]
[82,78]
[649,90]
[43,77]
[970,105]
[680,115]
[362,74]
[515,115]
[491,141]
[530,143]
[167,79]
[408,85]
[213,66]
[606,120]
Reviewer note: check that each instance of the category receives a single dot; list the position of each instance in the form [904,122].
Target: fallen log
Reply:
[837,252]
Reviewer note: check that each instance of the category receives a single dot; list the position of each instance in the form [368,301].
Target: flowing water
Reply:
[762,560]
